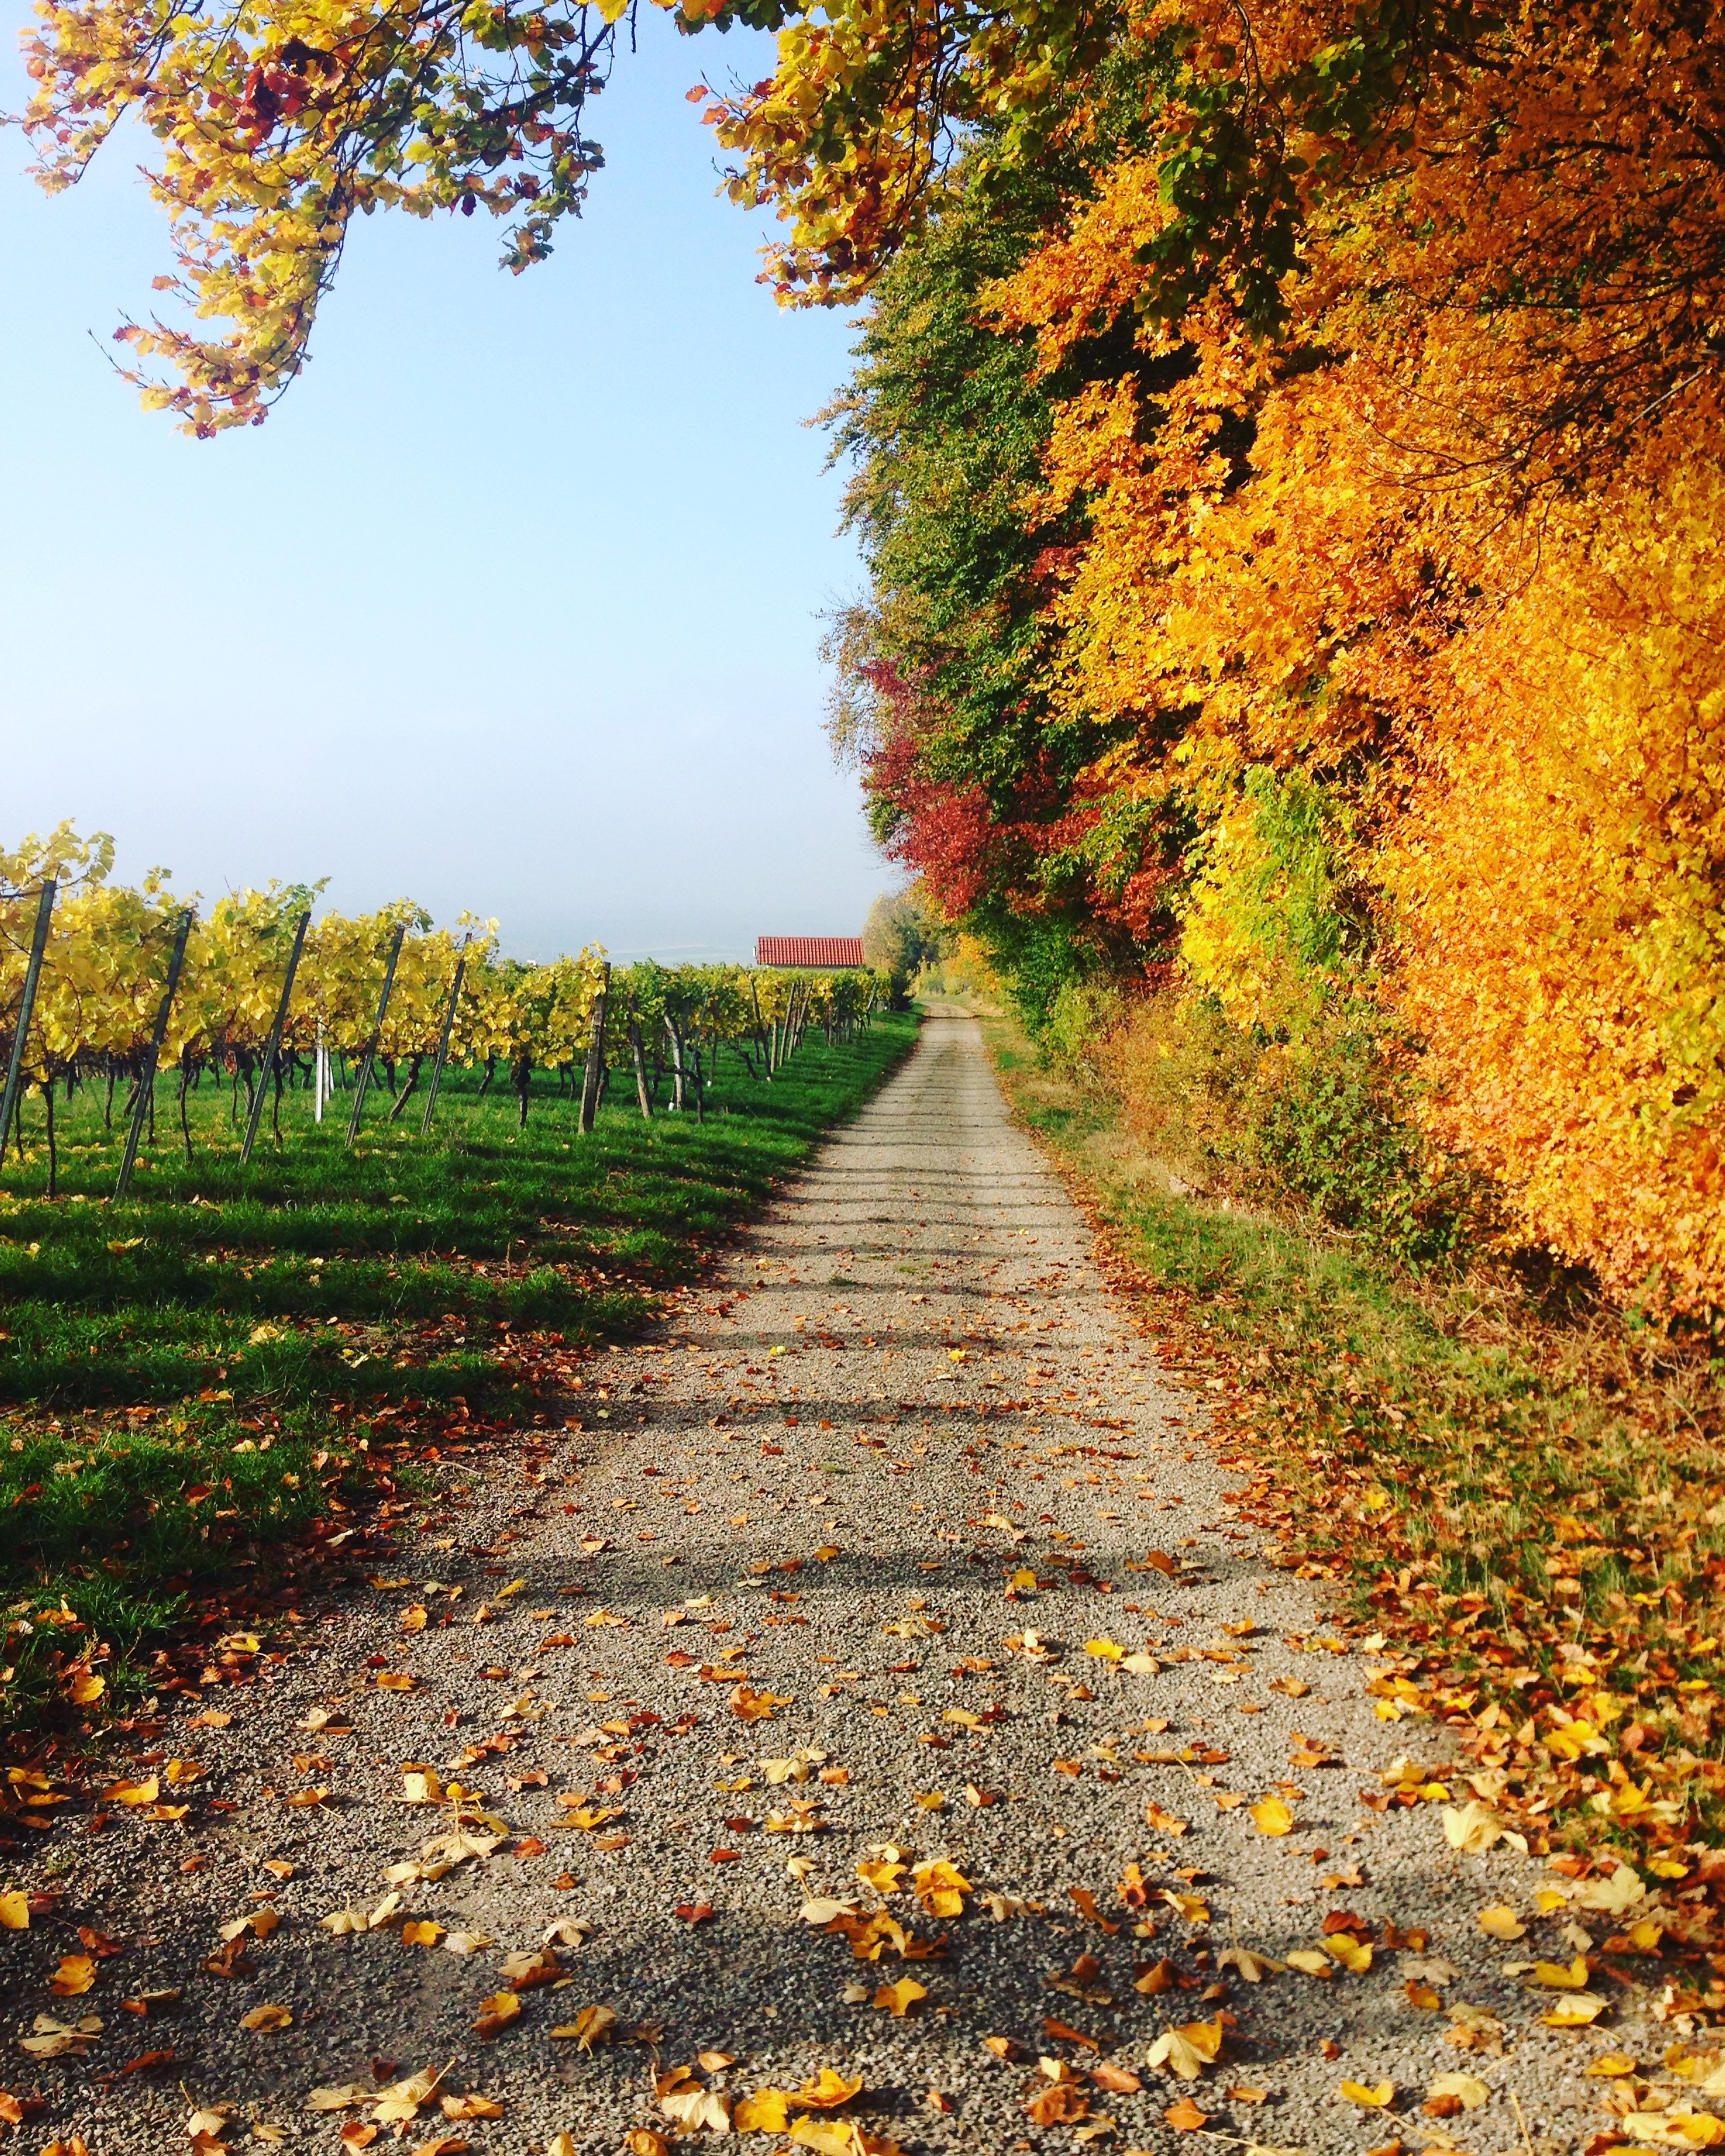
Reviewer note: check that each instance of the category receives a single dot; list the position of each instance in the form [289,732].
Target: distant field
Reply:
[193,1383]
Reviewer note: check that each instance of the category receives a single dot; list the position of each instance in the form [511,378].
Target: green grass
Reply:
[196,1378]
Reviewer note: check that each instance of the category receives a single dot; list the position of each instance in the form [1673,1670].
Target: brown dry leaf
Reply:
[590,2026]
[1423,1996]
[1164,1822]
[1061,2103]
[473,2106]
[1118,2080]
[1185,2116]
[267,2017]
[748,1705]
[642,2141]
[1159,1977]
[1253,1966]
[302,1799]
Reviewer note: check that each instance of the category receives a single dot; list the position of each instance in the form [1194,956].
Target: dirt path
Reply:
[808,1502]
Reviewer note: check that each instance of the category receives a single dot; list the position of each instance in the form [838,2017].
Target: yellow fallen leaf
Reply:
[496,2014]
[1473,1827]
[14,1911]
[1271,1815]
[563,2144]
[829,2090]
[1500,1922]
[1188,2050]
[898,1999]
[1555,1976]
[422,1934]
[941,1887]
[1469,2092]
[267,2017]
[1575,2013]
[1354,1954]
[1610,2065]
[76,1973]
[827,2137]
[1104,1651]
[132,1792]
[84,1687]
[767,2111]
[1379,2098]
[1310,1962]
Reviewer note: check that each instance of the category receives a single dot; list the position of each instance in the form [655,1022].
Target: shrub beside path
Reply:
[871,1686]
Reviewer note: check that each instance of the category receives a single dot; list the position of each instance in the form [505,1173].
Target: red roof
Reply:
[808,951]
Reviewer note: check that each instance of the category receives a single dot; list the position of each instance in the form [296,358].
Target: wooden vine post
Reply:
[364,1078]
[443,1038]
[272,1048]
[152,1056]
[26,1010]
[594,1074]
[637,1051]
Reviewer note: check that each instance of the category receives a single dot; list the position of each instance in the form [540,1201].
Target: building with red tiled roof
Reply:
[817,953]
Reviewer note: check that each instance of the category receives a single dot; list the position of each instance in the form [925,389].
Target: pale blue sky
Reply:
[512,604]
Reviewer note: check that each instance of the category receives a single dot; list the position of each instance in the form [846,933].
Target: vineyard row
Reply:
[107,985]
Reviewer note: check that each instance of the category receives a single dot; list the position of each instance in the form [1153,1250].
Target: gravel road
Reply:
[750,1622]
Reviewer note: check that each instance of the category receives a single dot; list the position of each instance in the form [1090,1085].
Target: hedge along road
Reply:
[896,1550]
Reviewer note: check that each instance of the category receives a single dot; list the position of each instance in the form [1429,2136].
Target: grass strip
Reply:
[1528,1503]
[227,1378]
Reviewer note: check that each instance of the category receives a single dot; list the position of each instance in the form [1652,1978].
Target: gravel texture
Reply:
[908,1385]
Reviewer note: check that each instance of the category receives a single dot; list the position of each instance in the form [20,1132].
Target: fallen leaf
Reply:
[590,2026]
[14,1911]
[1188,2050]
[1500,1922]
[898,1999]
[470,2106]
[132,1792]
[75,1974]
[267,2017]
[1185,2116]
[1468,2092]
[1272,1816]
[1377,2098]
[496,2014]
